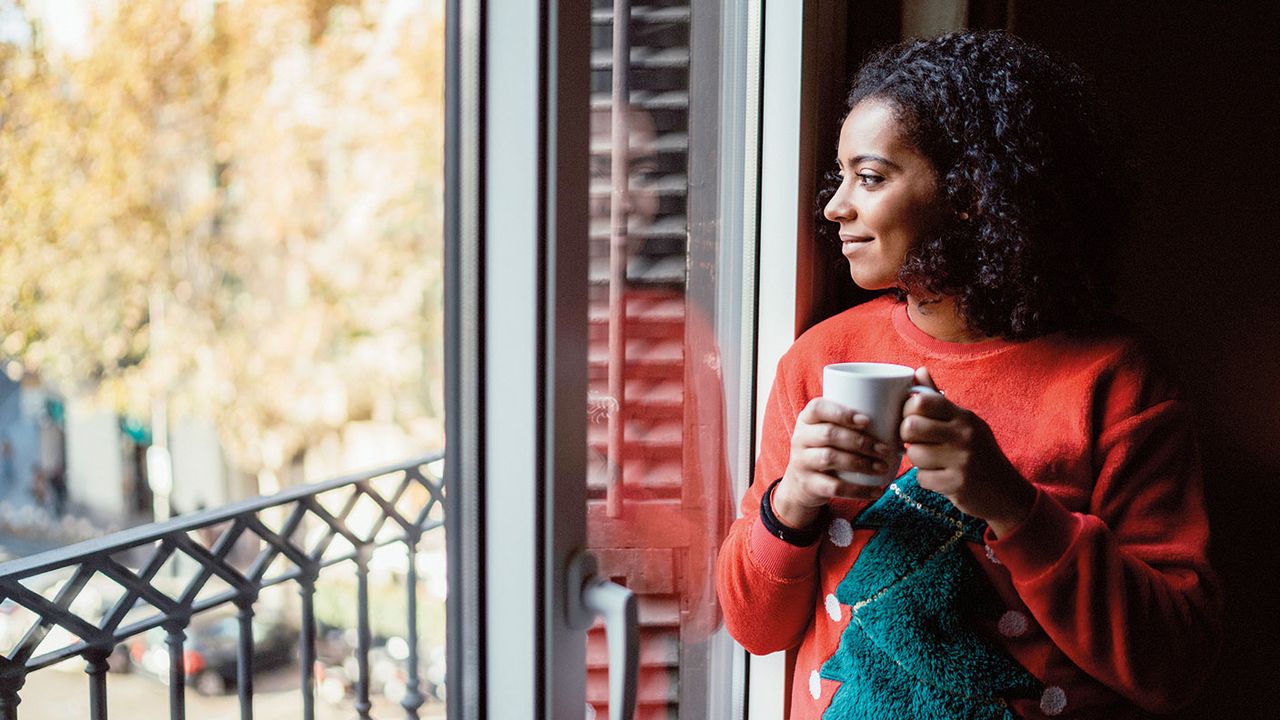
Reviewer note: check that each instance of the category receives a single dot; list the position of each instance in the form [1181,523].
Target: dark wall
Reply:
[1195,87]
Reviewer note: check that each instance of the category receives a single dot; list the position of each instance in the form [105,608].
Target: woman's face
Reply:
[888,196]
[642,203]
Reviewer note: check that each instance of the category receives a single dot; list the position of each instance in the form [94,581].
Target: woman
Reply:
[1043,551]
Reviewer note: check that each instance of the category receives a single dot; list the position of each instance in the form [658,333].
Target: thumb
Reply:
[924,378]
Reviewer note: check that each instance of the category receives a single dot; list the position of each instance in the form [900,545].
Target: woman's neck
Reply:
[940,319]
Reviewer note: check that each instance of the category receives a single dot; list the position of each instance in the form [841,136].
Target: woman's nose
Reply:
[840,206]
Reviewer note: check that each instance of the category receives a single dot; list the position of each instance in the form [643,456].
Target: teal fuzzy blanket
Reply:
[910,650]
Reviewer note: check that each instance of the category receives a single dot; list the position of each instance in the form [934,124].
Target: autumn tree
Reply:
[230,208]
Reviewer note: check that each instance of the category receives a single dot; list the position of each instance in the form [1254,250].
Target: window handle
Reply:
[590,595]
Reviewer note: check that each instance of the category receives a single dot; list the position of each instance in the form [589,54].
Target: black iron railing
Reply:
[172,571]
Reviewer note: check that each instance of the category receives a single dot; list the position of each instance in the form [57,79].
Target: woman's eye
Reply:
[644,174]
[869,179]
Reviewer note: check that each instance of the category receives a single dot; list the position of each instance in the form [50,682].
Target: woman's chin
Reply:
[872,281]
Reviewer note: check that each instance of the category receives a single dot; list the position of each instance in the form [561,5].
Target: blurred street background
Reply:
[220,277]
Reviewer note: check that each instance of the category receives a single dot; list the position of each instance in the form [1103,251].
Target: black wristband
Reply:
[784,532]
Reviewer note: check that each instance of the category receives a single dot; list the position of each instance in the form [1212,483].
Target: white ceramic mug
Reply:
[877,390]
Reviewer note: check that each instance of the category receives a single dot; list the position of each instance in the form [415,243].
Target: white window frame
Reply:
[505,224]
[780,208]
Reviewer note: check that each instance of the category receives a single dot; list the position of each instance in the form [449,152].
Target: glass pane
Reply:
[220,244]
[659,496]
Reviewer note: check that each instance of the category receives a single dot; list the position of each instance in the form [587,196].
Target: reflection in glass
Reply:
[658,488]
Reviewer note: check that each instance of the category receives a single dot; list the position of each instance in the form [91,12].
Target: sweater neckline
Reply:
[930,345]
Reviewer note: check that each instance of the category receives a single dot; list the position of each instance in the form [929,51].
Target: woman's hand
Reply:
[828,438]
[957,456]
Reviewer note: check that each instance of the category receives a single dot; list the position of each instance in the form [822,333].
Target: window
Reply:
[606,396]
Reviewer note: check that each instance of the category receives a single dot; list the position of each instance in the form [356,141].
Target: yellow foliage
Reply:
[234,207]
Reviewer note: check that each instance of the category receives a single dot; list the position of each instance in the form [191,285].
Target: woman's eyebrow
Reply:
[874,158]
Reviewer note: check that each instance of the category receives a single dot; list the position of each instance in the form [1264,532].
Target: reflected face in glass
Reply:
[888,196]
[642,202]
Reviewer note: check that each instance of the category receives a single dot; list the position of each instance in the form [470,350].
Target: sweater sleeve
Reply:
[767,588]
[1125,590]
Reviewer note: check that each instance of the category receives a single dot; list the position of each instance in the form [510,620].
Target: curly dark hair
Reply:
[1017,138]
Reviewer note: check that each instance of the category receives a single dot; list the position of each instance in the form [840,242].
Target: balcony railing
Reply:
[172,571]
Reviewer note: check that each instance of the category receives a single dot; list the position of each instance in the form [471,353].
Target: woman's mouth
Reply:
[847,241]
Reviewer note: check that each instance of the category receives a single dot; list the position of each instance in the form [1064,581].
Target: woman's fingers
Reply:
[922,429]
[829,438]
[933,457]
[831,460]
[822,410]
[928,404]
[923,377]
[827,423]
[839,437]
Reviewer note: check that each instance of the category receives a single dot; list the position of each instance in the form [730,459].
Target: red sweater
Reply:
[1108,598]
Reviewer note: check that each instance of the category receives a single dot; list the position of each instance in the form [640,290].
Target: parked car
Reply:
[210,651]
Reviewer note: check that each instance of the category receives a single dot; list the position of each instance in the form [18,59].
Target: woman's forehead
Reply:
[873,127]
[640,125]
